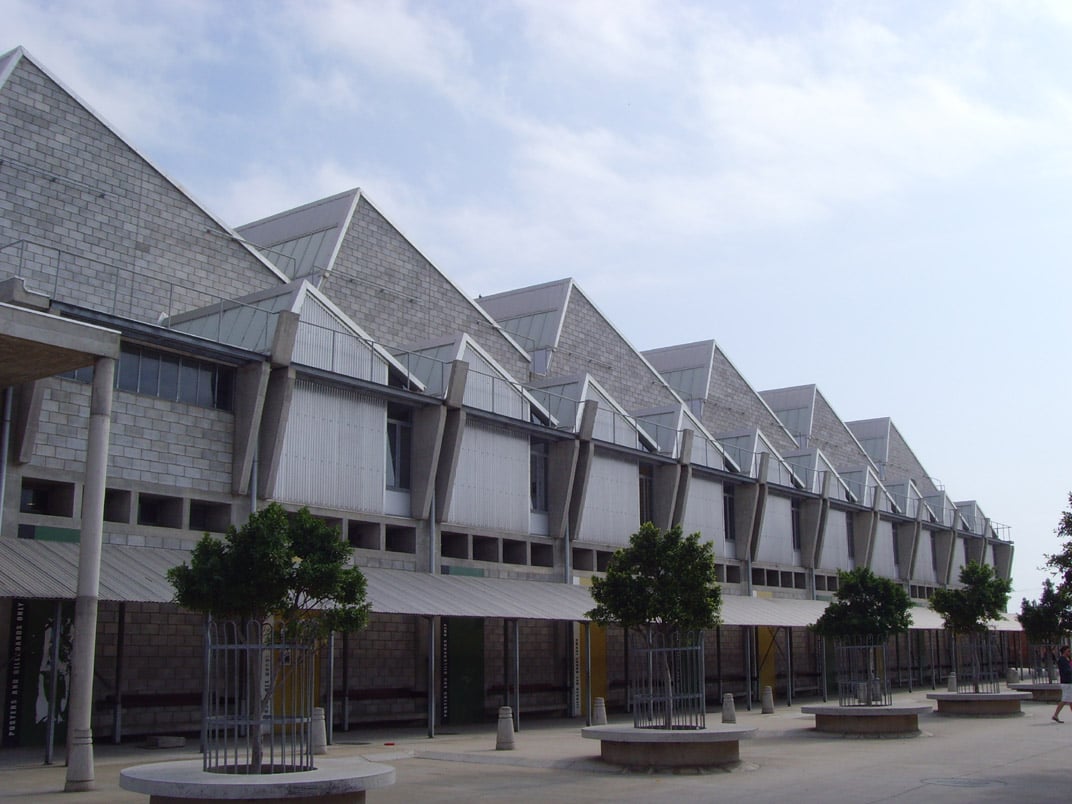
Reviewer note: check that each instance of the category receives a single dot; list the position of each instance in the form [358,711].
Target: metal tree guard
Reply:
[977,662]
[861,665]
[259,694]
[667,682]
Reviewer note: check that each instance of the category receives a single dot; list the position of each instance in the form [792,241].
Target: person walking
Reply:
[1064,670]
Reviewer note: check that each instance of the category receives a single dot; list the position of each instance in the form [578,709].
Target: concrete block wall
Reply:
[162,672]
[544,666]
[115,232]
[153,441]
[388,671]
[733,405]
[830,435]
[590,343]
[396,295]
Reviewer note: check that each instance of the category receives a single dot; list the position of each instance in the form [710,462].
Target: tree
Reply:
[1060,563]
[866,606]
[1049,618]
[967,611]
[663,584]
[981,598]
[275,565]
[290,568]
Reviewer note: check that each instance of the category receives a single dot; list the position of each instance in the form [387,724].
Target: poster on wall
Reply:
[30,678]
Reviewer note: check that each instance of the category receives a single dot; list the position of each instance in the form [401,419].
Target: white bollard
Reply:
[767,699]
[599,712]
[729,712]
[504,737]
[1012,676]
[318,734]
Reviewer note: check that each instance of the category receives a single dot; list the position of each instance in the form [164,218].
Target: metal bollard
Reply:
[504,737]
[599,712]
[767,700]
[729,712]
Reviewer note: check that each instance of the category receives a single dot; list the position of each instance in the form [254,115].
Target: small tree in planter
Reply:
[285,582]
[664,587]
[1045,622]
[967,612]
[867,612]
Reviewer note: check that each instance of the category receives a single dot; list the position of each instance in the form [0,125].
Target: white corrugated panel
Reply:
[402,592]
[611,506]
[705,513]
[334,449]
[492,485]
[36,569]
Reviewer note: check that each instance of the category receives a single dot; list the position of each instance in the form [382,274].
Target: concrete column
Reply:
[80,775]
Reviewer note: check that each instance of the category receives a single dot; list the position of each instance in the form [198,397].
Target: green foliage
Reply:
[1060,563]
[662,580]
[275,565]
[866,605]
[982,598]
[1047,619]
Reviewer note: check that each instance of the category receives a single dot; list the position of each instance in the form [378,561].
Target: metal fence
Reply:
[667,682]
[1041,667]
[861,674]
[977,660]
[259,686]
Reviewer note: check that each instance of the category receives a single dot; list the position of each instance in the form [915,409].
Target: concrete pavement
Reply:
[1026,758]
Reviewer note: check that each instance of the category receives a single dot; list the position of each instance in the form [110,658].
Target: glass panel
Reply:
[188,381]
[149,376]
[169,377]
[127,376]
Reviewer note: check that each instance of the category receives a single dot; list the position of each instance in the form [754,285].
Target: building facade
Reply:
[483,457]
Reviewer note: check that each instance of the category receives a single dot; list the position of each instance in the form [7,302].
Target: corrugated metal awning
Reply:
[49,570]
[404,592]
[39,569]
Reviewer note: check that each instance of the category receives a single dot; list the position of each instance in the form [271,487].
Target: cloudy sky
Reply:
[870,196]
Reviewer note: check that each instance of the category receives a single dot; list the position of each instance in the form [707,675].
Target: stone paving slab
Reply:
[953,761]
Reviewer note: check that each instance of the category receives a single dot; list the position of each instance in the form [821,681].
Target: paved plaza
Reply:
[1025,758]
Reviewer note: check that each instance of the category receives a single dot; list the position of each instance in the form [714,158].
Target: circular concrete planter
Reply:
[333,781]
[867,721]
[669,748]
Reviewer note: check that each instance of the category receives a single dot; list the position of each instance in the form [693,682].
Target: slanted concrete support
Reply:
[907,536]
[251,386]
[276,412]
[813,514]
[586,452]
[428,427]
[666,478]
[453,431]
[1002,558]
[944,540]
[26,420]
[561,471]
[864,528]
[684,473]
[975,548]
[750,505]
[80,770]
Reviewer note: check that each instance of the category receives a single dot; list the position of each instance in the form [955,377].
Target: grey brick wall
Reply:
[400,298]
[590,343]
[732,405]
[153,441]
[93,223]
